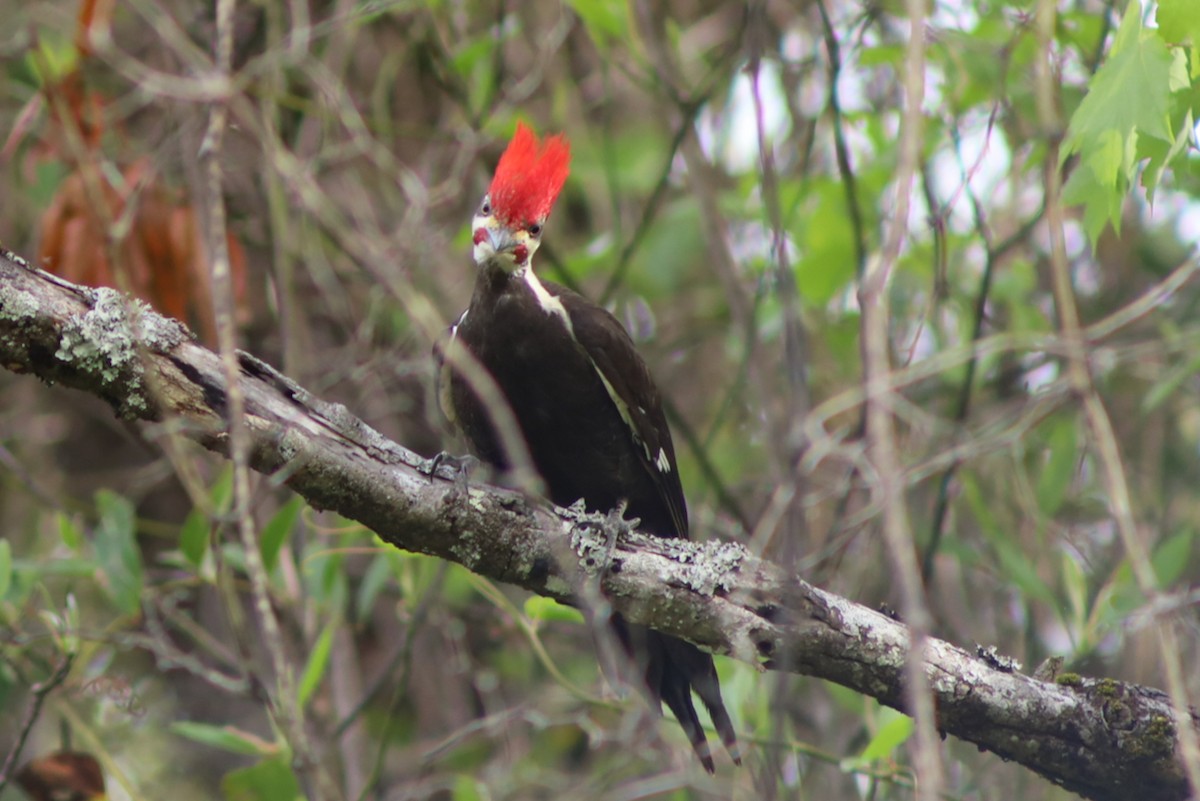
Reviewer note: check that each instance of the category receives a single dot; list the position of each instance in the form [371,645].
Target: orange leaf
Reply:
[94,16]
[65,774]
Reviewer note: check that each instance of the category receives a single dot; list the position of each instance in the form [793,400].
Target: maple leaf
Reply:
[1130,113]
[1129,96]
[1179,21]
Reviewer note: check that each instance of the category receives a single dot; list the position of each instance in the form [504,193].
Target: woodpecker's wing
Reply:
[634,393]
[444,371]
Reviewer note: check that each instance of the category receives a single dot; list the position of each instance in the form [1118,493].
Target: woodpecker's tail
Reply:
[673,670]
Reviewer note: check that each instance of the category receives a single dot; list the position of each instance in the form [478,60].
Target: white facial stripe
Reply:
[549,303]
[482,251]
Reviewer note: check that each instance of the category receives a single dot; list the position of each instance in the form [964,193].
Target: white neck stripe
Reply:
[549,303]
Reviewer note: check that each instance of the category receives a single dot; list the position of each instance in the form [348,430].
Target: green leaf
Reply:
[1101,205]
[1119,597]
[885,55]
[1075,586]
[54,57]
[221,493]
[846,699]
[194,537]
[47,178]
[827,244]
[467,788]
[1016,566]
[474,54]
[277,530]
[376,577]
[227,738]
[1129,97]
[318,660]
[893,732]
[1179,21]
[668,256]
[269,780]
[6,567]
[548,609]
[983,512]
[1170,558]
[117,551]
[1170,383]
[325,577]
[1107,159]
[1160,155]
[1132,89]
[69,531]
[1059,468]
[606,20]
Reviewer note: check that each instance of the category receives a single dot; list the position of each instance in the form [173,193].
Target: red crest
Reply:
[529,176]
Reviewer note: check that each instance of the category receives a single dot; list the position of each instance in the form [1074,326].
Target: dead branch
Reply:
[1100,738]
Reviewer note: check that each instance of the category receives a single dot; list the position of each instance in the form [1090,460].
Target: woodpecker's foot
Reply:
[595,536]
[1048,671]
[615,524]
[457,467]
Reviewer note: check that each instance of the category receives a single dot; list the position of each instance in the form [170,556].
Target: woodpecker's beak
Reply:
[500,239]
[501,245]
[492,240]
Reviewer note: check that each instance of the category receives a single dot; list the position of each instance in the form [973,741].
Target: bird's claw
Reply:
[615,524]
[595,553]
[458,467]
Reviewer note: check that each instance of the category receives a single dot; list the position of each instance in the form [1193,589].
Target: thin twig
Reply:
[785,281]
[401,659]
[283,702]
[649,211]
[712,477]
[888,482]
[963,403]
[1104,440]
[841,149]
[37,698]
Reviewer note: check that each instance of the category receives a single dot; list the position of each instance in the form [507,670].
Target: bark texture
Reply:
[1101,738]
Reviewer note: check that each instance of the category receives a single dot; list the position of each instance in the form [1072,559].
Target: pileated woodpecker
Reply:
[586,405]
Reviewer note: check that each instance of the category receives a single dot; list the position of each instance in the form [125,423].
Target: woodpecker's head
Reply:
[507,228]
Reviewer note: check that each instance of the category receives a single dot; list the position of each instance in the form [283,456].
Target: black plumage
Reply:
[583,446]
[584,400]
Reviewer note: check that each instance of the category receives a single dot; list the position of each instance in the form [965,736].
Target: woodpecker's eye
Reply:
[534,229]
[486,208]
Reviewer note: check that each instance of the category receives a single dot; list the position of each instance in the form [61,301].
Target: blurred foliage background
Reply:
[733,175]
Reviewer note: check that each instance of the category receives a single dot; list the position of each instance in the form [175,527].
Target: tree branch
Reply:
[1097,737]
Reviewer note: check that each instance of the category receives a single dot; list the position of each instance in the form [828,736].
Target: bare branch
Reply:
[37,698]
[1097,737]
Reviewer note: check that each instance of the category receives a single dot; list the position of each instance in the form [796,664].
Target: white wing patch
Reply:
[662,462]
[553,305]
[549,303]
[622,409]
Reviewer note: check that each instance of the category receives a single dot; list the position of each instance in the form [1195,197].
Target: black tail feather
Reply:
[696,673]
[673,670]
[678,697]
